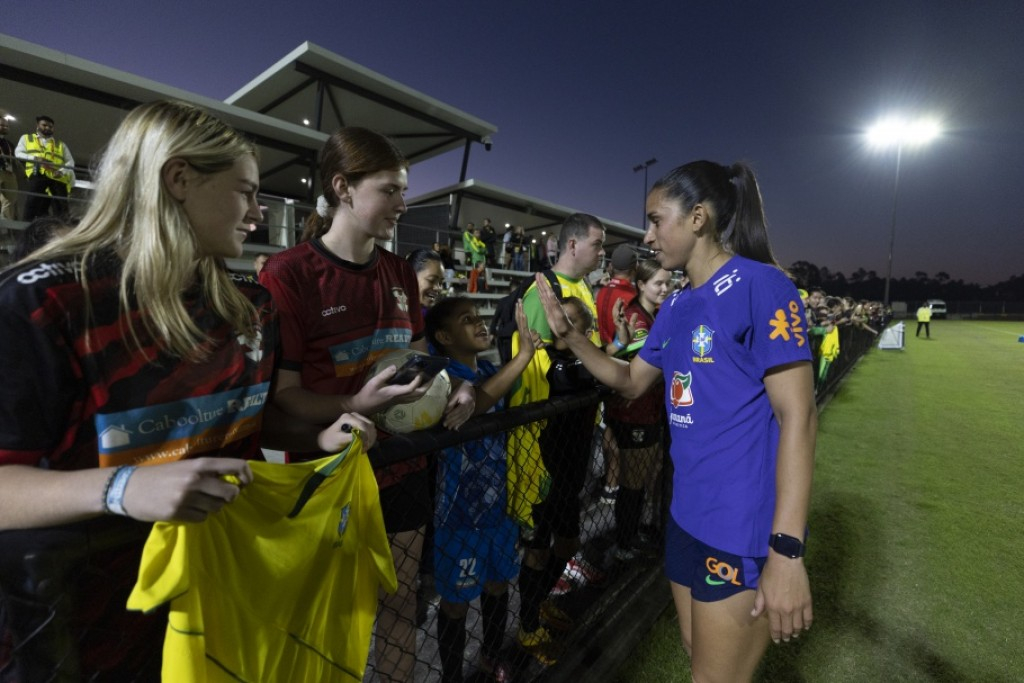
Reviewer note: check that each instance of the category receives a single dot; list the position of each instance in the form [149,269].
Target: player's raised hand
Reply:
[558,321]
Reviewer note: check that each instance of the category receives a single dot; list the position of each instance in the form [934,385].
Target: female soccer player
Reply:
[733,351]
[344,302]
[127,343]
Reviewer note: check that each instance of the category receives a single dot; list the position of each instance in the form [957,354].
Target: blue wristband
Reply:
[114,499]
[619,345]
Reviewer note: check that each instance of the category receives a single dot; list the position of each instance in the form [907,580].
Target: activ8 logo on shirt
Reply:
[176,430]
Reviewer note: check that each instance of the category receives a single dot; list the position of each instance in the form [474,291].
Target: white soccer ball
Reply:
[422,413]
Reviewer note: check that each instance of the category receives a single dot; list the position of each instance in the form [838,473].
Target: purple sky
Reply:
[583,91]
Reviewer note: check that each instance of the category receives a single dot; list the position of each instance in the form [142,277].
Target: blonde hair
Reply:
[133,213]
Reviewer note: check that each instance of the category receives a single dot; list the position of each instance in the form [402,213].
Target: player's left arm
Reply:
[784,590]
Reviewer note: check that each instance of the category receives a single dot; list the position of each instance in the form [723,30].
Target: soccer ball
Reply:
[424,413]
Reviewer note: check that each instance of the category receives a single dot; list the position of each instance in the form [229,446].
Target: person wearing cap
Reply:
[49,167]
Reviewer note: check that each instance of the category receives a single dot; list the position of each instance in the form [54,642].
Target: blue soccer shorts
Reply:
[465,559]
[710,574]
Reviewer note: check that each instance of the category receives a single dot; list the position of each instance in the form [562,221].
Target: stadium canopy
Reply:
[88,101]
[314,87]
[471,201]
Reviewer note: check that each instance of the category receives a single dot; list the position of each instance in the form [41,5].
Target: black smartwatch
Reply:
[786,545]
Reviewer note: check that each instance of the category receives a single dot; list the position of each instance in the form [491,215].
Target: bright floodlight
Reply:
[891,132]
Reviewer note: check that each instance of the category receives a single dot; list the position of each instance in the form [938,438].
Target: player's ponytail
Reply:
[749,235]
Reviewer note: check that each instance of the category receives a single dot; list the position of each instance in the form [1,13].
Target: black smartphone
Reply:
[427,366]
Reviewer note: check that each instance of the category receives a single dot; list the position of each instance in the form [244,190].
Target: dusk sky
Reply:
[582,92]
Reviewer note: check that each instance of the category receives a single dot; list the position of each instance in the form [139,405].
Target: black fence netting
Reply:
[63,590]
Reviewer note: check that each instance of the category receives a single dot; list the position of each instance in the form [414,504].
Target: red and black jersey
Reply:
[79,392]
[339,317]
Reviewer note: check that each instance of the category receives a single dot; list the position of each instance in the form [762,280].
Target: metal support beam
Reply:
[465,162]
[387,101]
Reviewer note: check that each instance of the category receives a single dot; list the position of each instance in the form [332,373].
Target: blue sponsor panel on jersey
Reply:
[352,357]
[151,428]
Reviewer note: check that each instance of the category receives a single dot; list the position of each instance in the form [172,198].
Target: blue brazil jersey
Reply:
[714,345]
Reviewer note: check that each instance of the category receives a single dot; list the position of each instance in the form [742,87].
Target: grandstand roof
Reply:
[472,201]
[88,101]
[315,85]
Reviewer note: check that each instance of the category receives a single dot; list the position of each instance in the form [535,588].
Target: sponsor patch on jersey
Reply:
[681,393]
[176,430]
[702,341]
[353,357]
[788,328]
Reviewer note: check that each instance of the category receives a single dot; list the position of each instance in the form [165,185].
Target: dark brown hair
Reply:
[354,153]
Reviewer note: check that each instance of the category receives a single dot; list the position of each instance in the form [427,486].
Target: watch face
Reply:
[787,545]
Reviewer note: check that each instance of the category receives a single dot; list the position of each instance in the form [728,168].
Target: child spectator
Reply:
[477,278]
[475,541]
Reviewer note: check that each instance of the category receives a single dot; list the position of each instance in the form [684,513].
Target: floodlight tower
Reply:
[900,133]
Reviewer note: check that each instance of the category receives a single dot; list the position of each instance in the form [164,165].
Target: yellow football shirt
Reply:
[280,585]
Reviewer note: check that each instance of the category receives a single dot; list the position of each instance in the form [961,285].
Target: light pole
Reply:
[643,167]
[899,133]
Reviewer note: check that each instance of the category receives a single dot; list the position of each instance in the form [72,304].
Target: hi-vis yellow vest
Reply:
[279,585]
[53,152]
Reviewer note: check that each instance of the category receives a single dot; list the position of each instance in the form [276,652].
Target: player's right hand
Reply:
[184,491]
[558,320]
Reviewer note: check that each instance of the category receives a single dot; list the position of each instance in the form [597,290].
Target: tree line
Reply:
[867,284]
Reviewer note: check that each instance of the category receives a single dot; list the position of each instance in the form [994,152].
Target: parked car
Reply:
[938,307]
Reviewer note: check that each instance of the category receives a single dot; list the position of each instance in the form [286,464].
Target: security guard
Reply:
[49,167]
